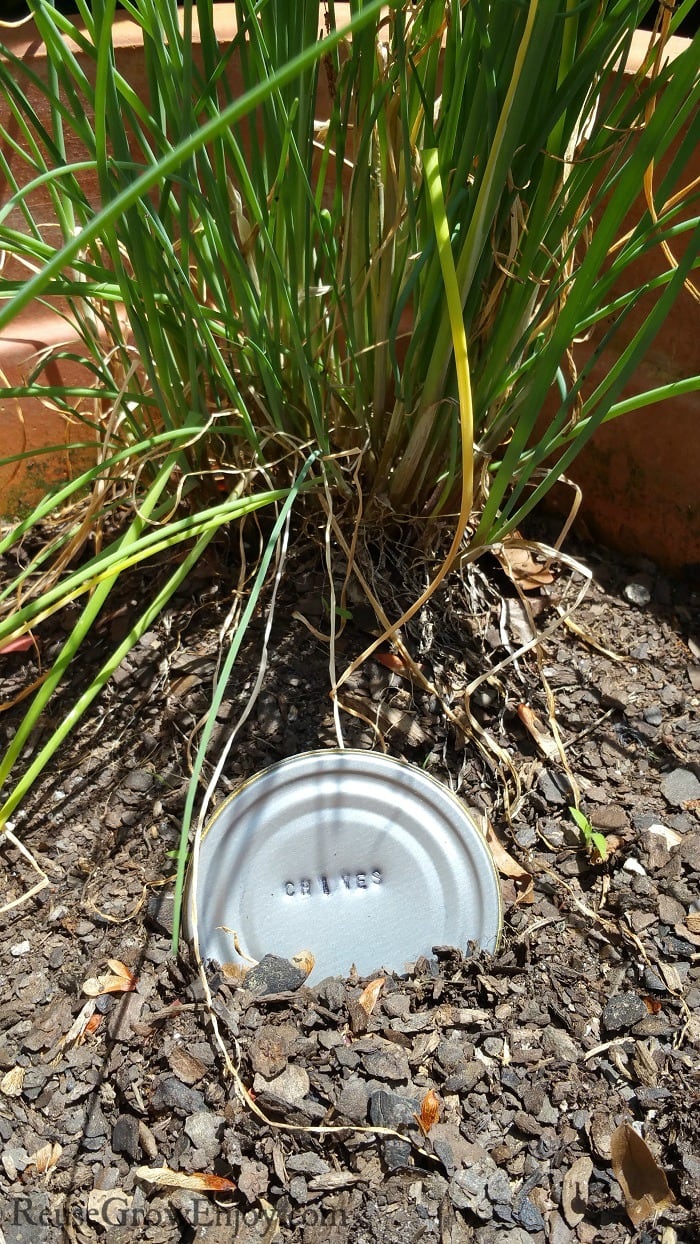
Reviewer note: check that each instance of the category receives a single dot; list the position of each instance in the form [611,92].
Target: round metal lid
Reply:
[353,855]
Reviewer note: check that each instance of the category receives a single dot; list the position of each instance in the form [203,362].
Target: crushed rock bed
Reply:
[585,1018]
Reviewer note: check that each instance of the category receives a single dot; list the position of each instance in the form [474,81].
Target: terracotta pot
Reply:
[639,475]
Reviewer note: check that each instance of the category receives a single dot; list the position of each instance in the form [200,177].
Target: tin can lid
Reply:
[359,858]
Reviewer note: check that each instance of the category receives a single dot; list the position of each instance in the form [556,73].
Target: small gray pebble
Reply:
[622,1011]
[274,975]
[307,1164]
[205,1130]
[549,787]
[679,787]
[353,1100]
[298,1190]
[125,1136]
[387,1109]
[637,594]
[499,1189]
[560,1045]
[171,1094]
[331,992]
[527,1214]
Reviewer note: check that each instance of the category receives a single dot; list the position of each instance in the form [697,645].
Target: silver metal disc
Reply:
[353,855]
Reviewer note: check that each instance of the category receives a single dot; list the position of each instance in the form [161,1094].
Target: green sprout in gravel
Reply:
[365,256]
[595,842]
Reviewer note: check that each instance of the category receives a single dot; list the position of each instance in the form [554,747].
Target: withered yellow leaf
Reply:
[370,994]
[199,1181]
[119,980]
[46,1158]
[12,1082]
[429,1111]
[638,1173]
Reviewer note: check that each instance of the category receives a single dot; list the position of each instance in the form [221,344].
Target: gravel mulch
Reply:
[478,1099]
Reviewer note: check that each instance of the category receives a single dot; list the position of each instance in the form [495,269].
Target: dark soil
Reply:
[586,1018]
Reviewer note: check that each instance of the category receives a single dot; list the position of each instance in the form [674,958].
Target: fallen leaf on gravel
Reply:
[385,717]
[429,1112]
[12,1082]
[521,565]
[199,1181]
[119,980]
[508,867]
[544,740]
[45,1158]
[370,994]
[392,661]
[638,1173]
[333,1181]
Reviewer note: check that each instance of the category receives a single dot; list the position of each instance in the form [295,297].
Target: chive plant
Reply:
[374,234]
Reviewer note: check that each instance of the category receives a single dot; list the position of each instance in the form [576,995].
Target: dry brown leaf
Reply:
[12,1082]
[120,980]
[199,1181]
[638,1173]
[429,1112]
[574,1190]
[508,867]
[521,565]
[120,969]
[370,995]
[539,732]
[45,1158]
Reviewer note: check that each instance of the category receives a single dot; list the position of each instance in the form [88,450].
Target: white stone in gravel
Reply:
[670,836]
[631,865]
[20,948]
